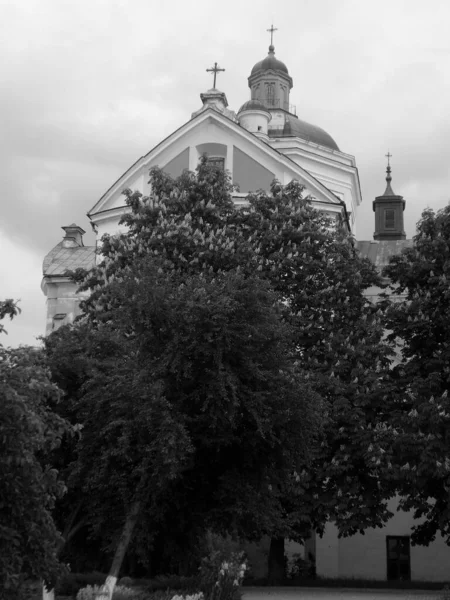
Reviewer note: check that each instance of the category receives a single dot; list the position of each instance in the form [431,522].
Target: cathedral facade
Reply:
[262,141]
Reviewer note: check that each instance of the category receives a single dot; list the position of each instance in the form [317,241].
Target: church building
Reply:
[264,140]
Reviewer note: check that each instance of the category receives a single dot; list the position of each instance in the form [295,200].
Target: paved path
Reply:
[304,593]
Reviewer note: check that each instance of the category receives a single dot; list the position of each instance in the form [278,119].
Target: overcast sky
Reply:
[89,86]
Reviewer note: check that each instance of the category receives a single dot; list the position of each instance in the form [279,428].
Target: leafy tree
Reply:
[189,230]
[29,430]
[8,308]
[193,389]
[310,261]
[418,317]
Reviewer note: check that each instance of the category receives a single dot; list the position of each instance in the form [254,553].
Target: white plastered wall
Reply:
[364,556]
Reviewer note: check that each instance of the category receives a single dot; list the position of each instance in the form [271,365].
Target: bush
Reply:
[170,582]
[70,583]
[221,576]
[121,592]
[197,596]
[300,568]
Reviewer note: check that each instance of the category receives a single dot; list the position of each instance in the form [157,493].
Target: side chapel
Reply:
[263,140]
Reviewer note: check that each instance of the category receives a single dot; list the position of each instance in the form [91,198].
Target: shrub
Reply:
[171,582]
[88,592]
[221,576]
[122,592]
[70,583]
[197,596]
[300,568]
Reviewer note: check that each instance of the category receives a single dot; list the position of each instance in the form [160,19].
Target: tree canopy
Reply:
[418,318]
[29,431]
[248,332]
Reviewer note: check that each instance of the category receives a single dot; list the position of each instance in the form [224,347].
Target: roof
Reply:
[253,105]
[61,259]
[270,62]
[295,127]
[379,252]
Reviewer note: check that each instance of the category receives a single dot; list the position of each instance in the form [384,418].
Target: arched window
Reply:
[270,87]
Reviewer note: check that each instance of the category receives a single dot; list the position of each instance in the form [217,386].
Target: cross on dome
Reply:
[272,29]
[214,70]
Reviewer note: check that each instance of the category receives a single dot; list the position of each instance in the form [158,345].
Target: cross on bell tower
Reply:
[215,69]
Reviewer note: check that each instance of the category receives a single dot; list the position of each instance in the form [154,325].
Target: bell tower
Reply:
[388,210]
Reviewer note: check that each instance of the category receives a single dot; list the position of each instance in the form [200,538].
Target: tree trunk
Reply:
[47,594]
[106,591]
[69,532]
[276,566]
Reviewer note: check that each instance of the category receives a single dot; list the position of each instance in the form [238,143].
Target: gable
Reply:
[252,162]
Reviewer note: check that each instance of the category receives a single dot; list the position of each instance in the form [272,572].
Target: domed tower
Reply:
[255,117]
[270,85]
[388,210]
[270,82]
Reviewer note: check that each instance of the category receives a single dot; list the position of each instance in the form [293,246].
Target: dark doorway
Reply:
[398,558]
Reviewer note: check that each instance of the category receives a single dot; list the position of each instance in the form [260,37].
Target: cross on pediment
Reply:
[214,70]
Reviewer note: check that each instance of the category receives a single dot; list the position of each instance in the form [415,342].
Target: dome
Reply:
[311,133]
[270,62]
[253,105]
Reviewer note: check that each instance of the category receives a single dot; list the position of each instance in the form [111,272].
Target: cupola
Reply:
[255,117]
[388,210]
[270,82]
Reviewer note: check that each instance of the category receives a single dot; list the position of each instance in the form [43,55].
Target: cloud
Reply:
[90,86]
[20,276]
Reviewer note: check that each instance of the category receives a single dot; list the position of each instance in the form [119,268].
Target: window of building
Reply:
[270,99]
[216,161]
[389,218]
[398,558]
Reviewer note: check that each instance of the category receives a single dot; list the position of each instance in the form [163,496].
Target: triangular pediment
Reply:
[252,162]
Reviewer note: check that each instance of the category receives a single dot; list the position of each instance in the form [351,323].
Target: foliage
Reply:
[187,372]
[122,592]
[197,596]
[29,431]
[300,568]
[170,582]
[418,317]
[221,575]
[310,261]
[70,583]
[242,335]
[8,308]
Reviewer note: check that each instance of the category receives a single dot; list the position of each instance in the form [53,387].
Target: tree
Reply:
[310,261]
[8,308]
[193,392]
[418,318]
[189,228]
[29,430]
